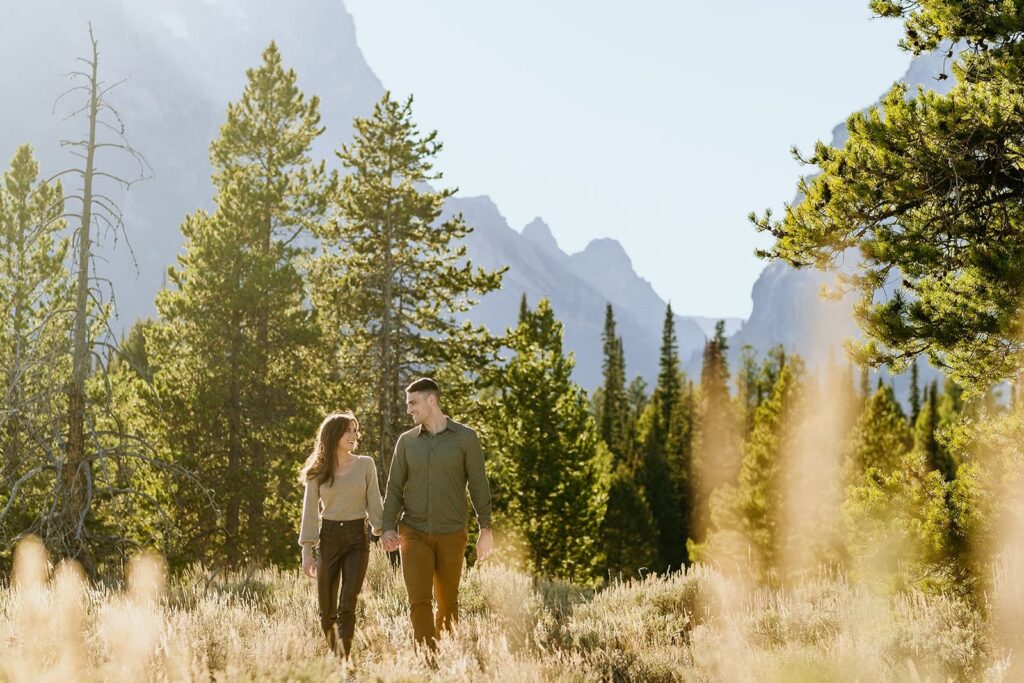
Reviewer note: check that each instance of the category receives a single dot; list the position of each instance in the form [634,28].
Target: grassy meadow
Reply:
[698,625]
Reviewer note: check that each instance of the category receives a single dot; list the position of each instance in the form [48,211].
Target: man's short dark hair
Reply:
[424,384]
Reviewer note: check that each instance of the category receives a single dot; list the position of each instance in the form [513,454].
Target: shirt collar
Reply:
[448,427]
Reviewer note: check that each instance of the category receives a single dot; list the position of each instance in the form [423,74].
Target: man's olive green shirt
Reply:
[427,482]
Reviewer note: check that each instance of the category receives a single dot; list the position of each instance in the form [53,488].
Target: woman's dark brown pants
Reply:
[344,556]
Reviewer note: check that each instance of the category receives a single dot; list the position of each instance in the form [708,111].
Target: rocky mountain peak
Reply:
[538,232]
[605,253]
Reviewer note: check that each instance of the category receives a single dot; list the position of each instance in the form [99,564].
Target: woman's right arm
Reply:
[309,533]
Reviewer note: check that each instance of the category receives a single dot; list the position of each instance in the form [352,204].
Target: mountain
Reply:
[579,286]
[184,61]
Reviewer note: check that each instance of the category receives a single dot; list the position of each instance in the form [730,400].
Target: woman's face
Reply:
[350,439]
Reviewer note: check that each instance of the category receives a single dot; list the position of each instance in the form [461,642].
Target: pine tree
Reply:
[926,441]
[668,390]
[951,404]
[717,453]
[880,437]
[749,514]
[749,388]
[915,394]
[238,368]
[613,410]
[35,335]
[664,474]
[901,204]
[394,276]
[629,531]
[900,527]
[553,486]
[679,452]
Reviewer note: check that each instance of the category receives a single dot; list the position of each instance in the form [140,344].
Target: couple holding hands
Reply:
[423,515]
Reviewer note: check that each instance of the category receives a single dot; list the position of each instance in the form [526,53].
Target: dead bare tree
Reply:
[92,455]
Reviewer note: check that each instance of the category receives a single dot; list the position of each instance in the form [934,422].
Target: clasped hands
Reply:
[484,545]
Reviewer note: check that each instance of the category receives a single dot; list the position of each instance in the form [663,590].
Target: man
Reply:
[425,508]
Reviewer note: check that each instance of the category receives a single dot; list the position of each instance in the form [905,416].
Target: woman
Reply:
[341,494]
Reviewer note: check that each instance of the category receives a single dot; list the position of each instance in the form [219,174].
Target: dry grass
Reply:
[698,626]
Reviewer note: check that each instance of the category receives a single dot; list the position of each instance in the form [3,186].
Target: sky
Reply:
[661,124]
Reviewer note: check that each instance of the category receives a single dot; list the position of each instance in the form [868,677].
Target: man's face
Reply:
[419,405]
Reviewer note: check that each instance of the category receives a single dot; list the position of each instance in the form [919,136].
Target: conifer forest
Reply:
[763,518]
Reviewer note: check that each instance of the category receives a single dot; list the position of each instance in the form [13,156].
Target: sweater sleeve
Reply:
[374,504]
[309,533]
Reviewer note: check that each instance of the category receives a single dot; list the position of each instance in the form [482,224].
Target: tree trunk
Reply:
[74,474]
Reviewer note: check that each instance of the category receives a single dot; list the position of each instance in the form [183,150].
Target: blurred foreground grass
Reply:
[697,626]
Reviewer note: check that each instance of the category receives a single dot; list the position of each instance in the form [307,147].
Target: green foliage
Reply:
[747,517]
[553,484]
[613,408]
[926,437]
[238,380]
[628,529]
[717,453]
[900,527]
[666,430]
[927,188]
[915,393]
[34,343]
[880,436]
[393,276]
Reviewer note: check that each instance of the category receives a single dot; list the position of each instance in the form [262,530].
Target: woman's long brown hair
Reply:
[320,463]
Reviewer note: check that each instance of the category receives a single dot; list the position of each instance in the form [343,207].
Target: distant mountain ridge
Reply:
[187,60]
[579,286]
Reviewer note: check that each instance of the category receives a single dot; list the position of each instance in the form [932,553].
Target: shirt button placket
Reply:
[430,492]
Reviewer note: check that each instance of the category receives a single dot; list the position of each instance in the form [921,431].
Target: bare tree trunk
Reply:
[232,522]
[256,472]
[74,497]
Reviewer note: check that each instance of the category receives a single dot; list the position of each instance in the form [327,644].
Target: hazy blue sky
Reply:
[661,124]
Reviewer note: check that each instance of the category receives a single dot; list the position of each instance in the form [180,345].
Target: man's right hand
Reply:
[391,541]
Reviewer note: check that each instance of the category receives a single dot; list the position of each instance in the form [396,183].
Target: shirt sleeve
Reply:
[309,533]
[479,491]
[374,505]
[394,499]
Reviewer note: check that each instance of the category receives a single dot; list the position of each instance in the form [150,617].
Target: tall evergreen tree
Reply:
[629,530]
[951,403]
[717,455]
[679,451]
[34,343]
[665,475]
[554,470]
[238,369]
[747,524]
[880,437]
[394,276]
[915,393]
[926,440]
[612,414]
[669,387]
[749,388]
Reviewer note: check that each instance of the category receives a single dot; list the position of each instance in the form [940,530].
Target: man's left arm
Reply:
[479,493]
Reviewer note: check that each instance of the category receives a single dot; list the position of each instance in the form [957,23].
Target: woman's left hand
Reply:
[309,566]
